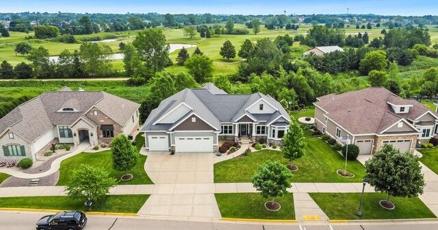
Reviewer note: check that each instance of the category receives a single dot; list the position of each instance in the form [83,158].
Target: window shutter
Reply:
[23,151]
[5,151]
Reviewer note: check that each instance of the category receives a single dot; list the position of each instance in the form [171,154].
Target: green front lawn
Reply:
[120,203]
[3,177]
[102,160]
[319,164]
[251,206]
[430,158]
[343,206]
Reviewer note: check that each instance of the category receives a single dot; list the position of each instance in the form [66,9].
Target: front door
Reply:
[243,129]
[84,136]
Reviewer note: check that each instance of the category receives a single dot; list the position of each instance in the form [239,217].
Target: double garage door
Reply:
[194,144]
[402,145]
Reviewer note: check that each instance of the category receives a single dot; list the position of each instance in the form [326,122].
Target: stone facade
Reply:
[100,119]
[380,139]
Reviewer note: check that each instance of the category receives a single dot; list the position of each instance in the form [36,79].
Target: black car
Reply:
[66,220]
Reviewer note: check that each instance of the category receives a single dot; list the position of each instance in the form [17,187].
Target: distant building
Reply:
[322,50]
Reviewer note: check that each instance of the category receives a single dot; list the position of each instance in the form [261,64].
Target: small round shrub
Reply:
[247,151]
[353,151]
[325,138]
[258,146]
[307,118]
[264,146]
[274,146]
[96,147]
[232,149]
[67,148]
[25,163]
[337,147]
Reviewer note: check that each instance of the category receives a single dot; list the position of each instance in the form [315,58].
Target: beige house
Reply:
[66,116]
[373,117]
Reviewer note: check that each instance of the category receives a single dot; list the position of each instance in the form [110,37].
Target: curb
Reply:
[258,220]
[92,213]
[340,221]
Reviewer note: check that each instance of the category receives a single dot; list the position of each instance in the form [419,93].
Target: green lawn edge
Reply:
[113,203]
[430,158]
[3,177]
[251,206]
[343,206]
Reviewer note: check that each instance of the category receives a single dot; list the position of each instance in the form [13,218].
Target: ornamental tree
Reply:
[293,145]
[246,49]
[88,183]
[227,50]
[200,67]
[183,55]
[272,179]
[125,154]
[394,173]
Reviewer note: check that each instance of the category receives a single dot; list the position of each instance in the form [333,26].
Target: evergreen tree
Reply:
[124,153]
[183,55]
[198,51]
[6,70]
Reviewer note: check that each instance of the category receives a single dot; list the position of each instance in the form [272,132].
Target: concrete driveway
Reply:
[184,187]
[181,168]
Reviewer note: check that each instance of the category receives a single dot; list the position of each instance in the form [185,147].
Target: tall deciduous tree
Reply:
[94,58]
[125,154]
[90,183]
[190,31]
[255,26]
[293,145]
[272,179]
[377,78]
[394,173]
[153,50]
[200,67]
[227,50]
[246,49]
[131,60]
[374,60]
[40,62]
[229,26]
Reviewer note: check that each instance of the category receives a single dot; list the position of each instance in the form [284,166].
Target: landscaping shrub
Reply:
[96,147]
[25,163]
[226,146]
[274,146]
[258,146]
[262,140]
[325,138]
[247,151]
[353,151]
[337,147]
[264,146]
[427,145]
[434,141]
[232,149]
[331,141]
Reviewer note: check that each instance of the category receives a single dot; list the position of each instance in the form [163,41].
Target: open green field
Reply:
[251,206]
[343,206]
[430,158]
[119,203]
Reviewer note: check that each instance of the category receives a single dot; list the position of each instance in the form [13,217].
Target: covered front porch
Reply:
[252,132]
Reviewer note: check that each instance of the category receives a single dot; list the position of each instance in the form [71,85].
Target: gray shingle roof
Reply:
[36,117]
[212,105]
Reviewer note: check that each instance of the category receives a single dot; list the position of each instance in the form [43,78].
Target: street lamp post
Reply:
[360,209]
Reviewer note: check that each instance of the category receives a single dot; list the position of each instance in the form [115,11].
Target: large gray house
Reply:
[373,117]
[65,117]
[195,120]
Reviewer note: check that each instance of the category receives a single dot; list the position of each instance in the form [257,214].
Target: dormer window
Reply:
[67,110]
[402,109]
[261,107]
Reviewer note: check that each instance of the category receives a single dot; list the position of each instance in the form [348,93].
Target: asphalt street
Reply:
[27,220]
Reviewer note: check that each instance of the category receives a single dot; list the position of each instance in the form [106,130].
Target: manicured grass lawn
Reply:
[344,206]
[251,206]
[104,160]
[430,158]
[3,177]
[120,203]
[319,164]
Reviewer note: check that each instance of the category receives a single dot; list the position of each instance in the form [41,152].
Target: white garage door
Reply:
[365,146]
[194,144]
[158,143]
[402,145]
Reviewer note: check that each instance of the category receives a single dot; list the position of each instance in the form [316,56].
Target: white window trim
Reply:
[340,132]
[228,129]
[261,134]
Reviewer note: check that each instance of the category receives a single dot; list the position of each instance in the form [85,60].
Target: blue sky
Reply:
[385,7]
